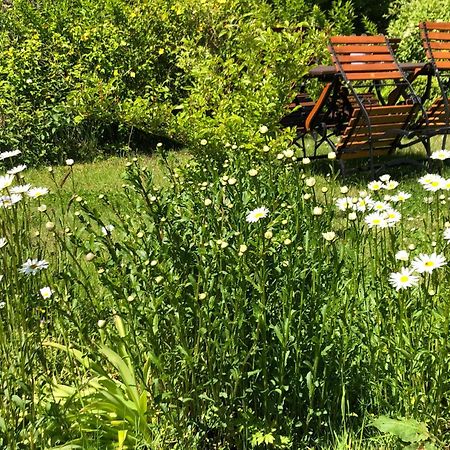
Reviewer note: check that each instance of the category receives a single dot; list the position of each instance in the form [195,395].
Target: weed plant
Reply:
[242,305]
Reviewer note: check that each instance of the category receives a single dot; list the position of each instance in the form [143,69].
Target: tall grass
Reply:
[180,318]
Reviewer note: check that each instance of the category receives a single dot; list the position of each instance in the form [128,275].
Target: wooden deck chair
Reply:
[436,41]
[366,61]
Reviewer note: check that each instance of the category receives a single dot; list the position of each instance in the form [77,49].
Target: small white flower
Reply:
[7,201]
[243,248]
[390,185]
[392,216]
[402,255]
[33,266]
[69,162]
[310,182]
[401,197]
[46,292]
[203,142]
[385,177]
[306,161]
[344,189]
[107,229]
[232,181]
[208,201]
[257,214]
[17,169]
[263,129]
[376,220]
[331,155]
[37,192]
[352,216]
[317,211]
[432,182]
[403,279]
[6,181]
[20,189]
[289,153]
[375,185]
[11,154]
[427,263]
[344,203]
[329,236]
[268,234]
[253,172]
[379,206]
[440,155]
[447,234]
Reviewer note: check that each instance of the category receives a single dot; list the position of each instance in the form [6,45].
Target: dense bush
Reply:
[78,77]
[405,18]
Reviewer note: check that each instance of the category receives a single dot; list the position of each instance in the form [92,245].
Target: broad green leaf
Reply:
[408,430]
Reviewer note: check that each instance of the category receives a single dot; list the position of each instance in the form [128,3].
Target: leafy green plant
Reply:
[409,431]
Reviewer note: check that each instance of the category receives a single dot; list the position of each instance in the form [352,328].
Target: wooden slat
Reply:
[374,76]
[358,39]
[379,120]
[443,65]
[347,49]
[437,25]
[378,58]
[439,45]
[384,110]
[441,55]
[380,128]
[438,36]
[369,67]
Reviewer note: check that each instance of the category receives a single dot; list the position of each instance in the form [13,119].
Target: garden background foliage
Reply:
[79,77]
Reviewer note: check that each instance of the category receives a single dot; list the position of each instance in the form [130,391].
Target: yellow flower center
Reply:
[404,278]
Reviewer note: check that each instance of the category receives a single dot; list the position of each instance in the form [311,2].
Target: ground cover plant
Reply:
[244,302]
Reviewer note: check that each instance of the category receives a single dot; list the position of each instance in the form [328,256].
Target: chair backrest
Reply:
[436,42]
[364,58]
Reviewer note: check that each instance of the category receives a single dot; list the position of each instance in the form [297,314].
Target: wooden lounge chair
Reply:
[436,41]
[367,62]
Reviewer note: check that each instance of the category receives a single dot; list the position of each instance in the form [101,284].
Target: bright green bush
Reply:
[81,77]
[405,18]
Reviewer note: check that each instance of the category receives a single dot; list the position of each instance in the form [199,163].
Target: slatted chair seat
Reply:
[380,138]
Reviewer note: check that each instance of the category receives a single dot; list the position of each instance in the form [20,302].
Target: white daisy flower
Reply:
[37,192]
[401,197]
[380,206]
[10,154]
[447,233]
[385,178]
[446,183]
[403,279]
[69,162]
[390,185]
[441,155]
[363,203]
[432,182]
[402,255]
[375,185]
[376,220]
[6,181]
[344,203]
[20,189]
[427,263]
[6,201]
[17,169]
[33,266]
[257,214]
[46,292]
[392,216]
